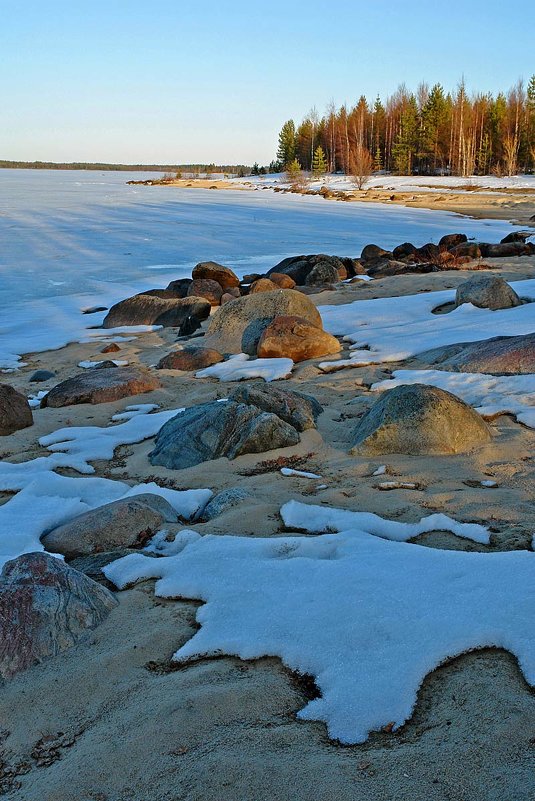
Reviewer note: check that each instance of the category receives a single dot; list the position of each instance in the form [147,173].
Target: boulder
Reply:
[190,358]
[469,249]
[383,268]
[263,285]
[418,419]
[212,430]
[43,375]
[146,309]
[180,286]
[299,267]
[297,339]
[206,288]
[516,236]
[374,252]
[451,240]
[226,297]
[237,326]
[505,250]
[324,272]
[15,411]
[45,608]
[428,252]
[298,409]
[224,276]
[282,281]
[227,499]
[101,386]
[498,356]
[487,292]
[127,523]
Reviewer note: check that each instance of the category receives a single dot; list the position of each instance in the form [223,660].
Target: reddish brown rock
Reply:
[283,281]
[190,359]
[45,608]
[297,339]
[113,348]
[15,412]
[224,276]
[101,386]
[263,285]
[206,288]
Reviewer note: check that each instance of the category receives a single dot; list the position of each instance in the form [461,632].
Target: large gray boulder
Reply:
[299,410]
[216,429]
[498,356]
[146,309]
[238,325]
[45,608]
[418,419]
[223,501]
[487,292]
[101,386]
[15,412]
[127,523]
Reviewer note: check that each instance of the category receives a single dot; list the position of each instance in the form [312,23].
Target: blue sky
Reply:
[200,80]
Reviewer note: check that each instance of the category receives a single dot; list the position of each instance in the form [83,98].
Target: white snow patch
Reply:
[239,367]
[134,411]
[289,471]
[490,395]
[369,619]
[35,400]
[88,365]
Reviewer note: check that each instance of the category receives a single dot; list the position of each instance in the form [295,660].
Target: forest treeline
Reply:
[428,132]
[237,169]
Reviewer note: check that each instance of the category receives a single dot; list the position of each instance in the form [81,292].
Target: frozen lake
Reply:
[70,233]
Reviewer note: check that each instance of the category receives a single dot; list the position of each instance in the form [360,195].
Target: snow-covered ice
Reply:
[490,395]
[393,329]
[367,618]
[240,366]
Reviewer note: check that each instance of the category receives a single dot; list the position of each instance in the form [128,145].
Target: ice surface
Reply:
[239,367]
[368,618]
[490,395]
[393,329]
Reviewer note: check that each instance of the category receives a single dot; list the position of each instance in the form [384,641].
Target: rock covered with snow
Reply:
[499,356]
[127,523]
[296,408]
[101,386]
[45,608]
[297,339]
[15,411]
[238,325]
[212,430]
[418,419]
[145,309]
[190,358]
[487,292]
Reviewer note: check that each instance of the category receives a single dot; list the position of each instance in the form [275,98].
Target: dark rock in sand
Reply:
[403,250]
[418,419]
[296,408]
[190,359]
[324,272]
[42,375]
[297,339]
[237,326]
[180,286]
[428,252]
[299,267]
[126,523]
[15,411]
[188,327]
[152,310]
[451,240]
[112,348]
[487,292]
[45,608]
[101,386]
[224,276]
[212,430]
[469,249]
[498,356]
[223,501]
[516,236]
[384,268]
[374,252]
[506,250]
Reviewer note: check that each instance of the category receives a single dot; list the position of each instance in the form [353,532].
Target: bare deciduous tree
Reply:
[361,166]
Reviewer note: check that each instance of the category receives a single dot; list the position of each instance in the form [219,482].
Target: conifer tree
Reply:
[295,175]
[319,163]
[406,143]
[287,144]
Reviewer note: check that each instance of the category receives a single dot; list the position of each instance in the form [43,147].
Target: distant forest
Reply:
[236,169]
[426,132]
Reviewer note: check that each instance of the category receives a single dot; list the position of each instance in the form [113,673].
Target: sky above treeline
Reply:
[191,81]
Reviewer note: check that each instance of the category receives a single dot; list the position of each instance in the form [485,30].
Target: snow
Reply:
[367,618]
[63,236]
[394,329]
[35,400]
[134,411]
[316,519]
[381,470]
[490,395]
[288,471]
[239,367]
[88,365]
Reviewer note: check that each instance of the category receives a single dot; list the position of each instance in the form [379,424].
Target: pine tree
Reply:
[295,175]
[434,129]
[319,163]
[287,143]
[406,143]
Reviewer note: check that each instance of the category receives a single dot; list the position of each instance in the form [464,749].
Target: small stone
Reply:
[112,348]
[42,375]
[15,411]
[190,359]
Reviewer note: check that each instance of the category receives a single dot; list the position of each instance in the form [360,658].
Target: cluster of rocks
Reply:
[254,419]
[452,253]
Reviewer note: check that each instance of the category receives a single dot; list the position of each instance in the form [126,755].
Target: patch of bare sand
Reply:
[226,729]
